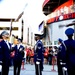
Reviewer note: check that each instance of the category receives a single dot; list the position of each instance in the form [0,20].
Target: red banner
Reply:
[63,12]
[65,17]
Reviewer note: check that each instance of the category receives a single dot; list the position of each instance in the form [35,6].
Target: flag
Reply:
[41,27]
[45,2]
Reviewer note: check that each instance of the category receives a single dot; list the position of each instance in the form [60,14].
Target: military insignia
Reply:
[39,47]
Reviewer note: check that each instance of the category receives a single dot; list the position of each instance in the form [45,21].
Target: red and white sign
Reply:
[63,12]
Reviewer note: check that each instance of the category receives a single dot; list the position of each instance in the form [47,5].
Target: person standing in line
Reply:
[59,60]
[24,59]
[19,54]
[68,51]
[50,55]
[38,54]
[32,56]
[1,56]
[6,50]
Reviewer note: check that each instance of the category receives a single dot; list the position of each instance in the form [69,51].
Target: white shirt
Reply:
[7,43]
[25,54]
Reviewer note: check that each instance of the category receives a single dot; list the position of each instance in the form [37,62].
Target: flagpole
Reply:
[22,30]
[11,31]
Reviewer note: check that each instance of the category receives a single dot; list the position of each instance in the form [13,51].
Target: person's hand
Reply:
[20,49]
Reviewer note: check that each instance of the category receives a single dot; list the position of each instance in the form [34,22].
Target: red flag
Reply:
[45,2]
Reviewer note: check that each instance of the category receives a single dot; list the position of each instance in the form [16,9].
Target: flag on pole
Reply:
[41,27]
[45,2]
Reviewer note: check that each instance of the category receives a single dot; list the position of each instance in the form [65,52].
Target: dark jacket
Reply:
[38,51]
[68,53]
[19,53]
[1,55]
[5,52]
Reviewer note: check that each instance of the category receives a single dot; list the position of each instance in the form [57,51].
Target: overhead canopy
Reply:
[52,5]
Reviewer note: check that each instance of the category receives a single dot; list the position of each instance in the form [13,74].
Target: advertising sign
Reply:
[63,12]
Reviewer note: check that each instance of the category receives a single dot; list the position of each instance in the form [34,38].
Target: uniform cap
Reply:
[19,39]
[69,31]
[4,33]
[37,34]
[60,40]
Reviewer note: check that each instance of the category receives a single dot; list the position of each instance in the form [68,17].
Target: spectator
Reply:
[50,54]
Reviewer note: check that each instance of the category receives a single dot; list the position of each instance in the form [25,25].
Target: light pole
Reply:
[12,20]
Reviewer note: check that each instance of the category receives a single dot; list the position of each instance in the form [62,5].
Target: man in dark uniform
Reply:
[59,60]
[38,54]
[68,52]
[19,54]
[1,55]
[6,49]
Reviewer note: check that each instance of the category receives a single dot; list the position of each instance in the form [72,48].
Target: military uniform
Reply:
[59,60]
[68,52]
[19,54]
[6,49]
[1,55]
[38,56]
